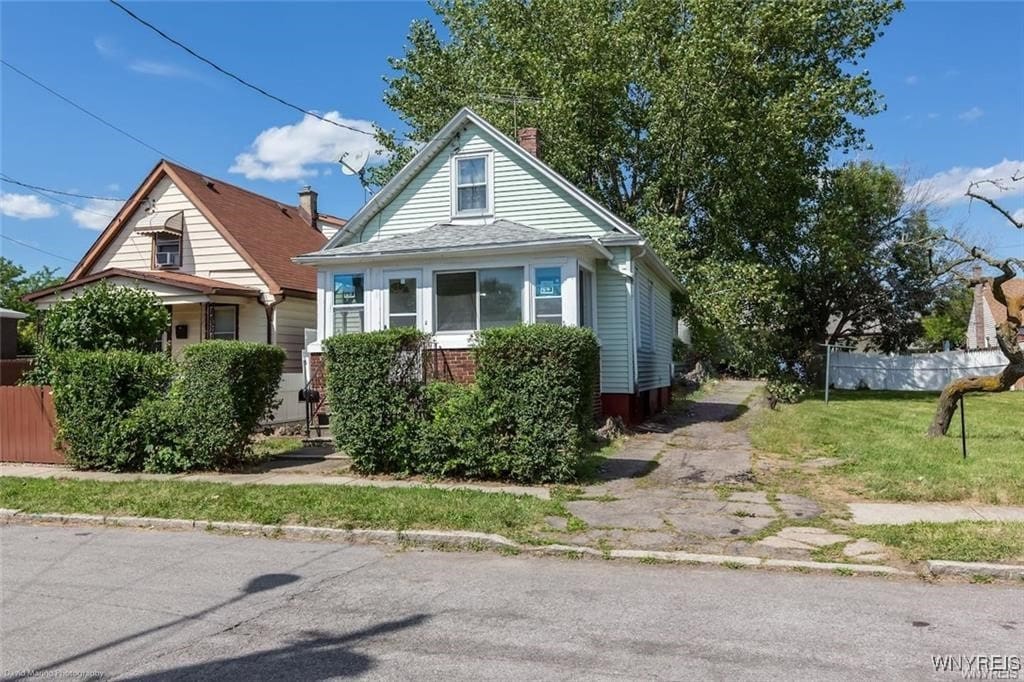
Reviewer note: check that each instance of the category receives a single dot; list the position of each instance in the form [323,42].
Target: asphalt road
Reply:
[163,605]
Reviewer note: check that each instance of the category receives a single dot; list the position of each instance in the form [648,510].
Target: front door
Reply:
[402,299]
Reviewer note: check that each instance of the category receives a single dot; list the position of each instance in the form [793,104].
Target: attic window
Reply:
[167,250]
[472,186]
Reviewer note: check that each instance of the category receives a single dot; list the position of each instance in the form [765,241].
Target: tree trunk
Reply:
[996,383]
[1006,336]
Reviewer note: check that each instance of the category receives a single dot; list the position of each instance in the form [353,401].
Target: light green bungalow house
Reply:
[476,231]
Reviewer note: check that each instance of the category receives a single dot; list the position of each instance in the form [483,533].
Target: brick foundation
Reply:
[455,365]
[635,408]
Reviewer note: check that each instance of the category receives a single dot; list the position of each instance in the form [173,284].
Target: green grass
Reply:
[314,505]
[266,448]
[960,541]
[879,436]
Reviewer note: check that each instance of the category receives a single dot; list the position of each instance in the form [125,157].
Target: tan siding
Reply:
[521,194]
[204,251]
[190,314]
[291,317]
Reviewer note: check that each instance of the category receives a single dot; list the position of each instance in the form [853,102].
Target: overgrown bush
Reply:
[223,390]
[456,441]
[537,383]
[96,395]
[785,389]
[101,317]
[375,389]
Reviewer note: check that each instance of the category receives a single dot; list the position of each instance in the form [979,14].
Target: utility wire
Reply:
[86,111]
[229,74]
[7,178]
[36,248]
[74,206]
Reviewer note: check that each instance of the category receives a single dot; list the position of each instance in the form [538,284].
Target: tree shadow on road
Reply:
[318,656]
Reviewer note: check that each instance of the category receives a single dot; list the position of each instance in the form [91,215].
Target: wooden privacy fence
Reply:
[28,425]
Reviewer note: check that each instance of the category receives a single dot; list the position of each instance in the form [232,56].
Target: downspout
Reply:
[269,309]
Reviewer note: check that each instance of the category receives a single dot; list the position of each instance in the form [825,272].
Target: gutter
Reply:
[329,259]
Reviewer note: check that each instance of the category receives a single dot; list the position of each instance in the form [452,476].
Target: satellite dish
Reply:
[353,162]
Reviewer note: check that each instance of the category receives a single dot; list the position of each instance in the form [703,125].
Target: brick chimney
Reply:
[978,311]
[529,139]
[307,203]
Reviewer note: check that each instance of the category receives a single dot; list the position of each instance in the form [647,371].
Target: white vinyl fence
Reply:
[924,372]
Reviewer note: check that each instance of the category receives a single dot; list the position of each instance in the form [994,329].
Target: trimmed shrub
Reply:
[456,439]
[537,383]
[375,390]
[100,317]
[223,390]
[95,393]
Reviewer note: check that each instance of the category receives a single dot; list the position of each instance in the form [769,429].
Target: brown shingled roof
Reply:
[203,285]
[265,232]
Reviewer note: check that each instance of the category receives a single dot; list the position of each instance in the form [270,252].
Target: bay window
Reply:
[348,306]
[478,299]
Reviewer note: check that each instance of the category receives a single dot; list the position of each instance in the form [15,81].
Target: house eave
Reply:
[478,250]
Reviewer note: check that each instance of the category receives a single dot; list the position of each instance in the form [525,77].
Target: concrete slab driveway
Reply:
[667,487]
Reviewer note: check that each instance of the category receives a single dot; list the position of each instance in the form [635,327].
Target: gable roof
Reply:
[464,117]
[203,285]
[264,232]
[1013,287]
[454,237]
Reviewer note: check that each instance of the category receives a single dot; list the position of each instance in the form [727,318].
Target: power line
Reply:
[7,178]
[74,206]
[86,111]
[36,248]
[229,74]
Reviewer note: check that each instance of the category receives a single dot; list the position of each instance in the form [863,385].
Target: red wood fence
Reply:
[28,425]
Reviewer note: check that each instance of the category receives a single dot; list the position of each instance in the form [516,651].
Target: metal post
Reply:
[963,427]
[828,369]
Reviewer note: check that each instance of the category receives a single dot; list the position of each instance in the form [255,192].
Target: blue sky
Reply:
[952,75]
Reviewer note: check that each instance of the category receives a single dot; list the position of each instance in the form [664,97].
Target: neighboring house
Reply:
[476,232]
[987,312]
[218,256]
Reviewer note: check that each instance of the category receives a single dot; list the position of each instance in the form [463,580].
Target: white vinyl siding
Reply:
[613,323]
[520,194]
[204,252]
[291,317]
[654,362]
[191,315]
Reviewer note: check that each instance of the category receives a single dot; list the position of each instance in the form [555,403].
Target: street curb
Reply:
[433,539]
[973,568]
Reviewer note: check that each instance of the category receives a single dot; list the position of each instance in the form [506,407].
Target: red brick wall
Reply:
[455,365]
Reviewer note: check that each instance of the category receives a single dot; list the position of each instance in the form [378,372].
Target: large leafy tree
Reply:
[708,124]
[15,282]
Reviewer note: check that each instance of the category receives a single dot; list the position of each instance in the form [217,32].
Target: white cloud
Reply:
[25,206]
[162,69]
[912,79]
[972,114]
[95,214]
[289,152]
[933,115]
[106,47]
[948,187]
[1018,215]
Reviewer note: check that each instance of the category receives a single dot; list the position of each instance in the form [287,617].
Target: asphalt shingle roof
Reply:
[448,236]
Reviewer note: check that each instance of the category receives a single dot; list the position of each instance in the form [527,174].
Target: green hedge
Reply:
[375,390]
[127,411]
[96,395]
[223,390]
[527,418]
[538,383]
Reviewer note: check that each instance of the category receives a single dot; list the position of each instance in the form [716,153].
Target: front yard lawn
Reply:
[312,505]
[879,439]
[961,541]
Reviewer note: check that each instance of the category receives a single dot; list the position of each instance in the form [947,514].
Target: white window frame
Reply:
[563,298]
[474,214]
[351,306]
[386,295]
[580,265]
[645,334]
[161,240]
[525,313]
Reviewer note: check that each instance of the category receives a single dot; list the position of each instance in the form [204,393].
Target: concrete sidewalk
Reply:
[899,514]
[293,476]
